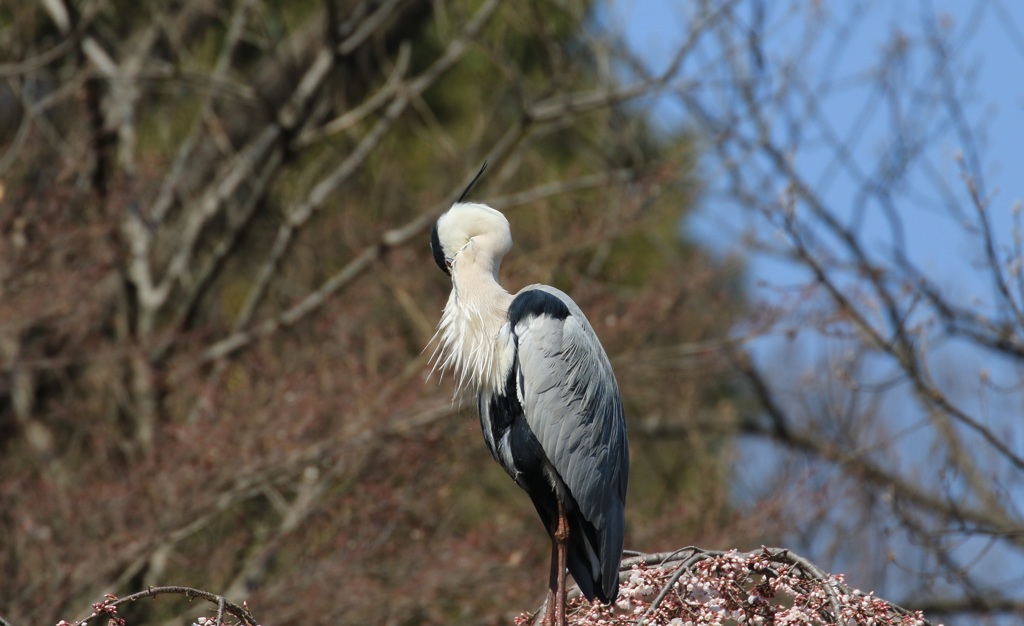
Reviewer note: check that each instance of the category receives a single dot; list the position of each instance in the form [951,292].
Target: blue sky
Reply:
[988,39]
[993,36]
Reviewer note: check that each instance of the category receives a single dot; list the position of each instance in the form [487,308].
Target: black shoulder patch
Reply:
[435,247]
[536,302]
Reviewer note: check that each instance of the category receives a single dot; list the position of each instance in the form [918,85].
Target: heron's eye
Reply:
[449,262]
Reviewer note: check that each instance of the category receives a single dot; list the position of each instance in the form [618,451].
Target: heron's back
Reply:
[558,426]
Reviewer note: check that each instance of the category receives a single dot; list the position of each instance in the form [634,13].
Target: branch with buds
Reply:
[766,586]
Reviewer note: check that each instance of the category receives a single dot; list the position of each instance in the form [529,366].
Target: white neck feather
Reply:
[469,333]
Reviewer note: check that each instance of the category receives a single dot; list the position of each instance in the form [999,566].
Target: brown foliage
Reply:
[217,294]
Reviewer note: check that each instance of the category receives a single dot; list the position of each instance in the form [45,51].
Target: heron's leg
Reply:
[562,548]
[549,606]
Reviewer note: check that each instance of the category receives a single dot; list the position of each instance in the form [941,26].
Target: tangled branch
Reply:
[766,586]
[108,607]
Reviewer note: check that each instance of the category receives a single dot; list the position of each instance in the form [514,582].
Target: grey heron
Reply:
[549,404]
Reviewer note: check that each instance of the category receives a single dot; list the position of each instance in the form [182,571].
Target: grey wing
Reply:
[572,404]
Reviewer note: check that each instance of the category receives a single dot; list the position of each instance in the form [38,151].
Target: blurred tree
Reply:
[853,144]
[216,294]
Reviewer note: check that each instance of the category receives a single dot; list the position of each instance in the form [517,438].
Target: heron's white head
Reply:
[470,234]
[469,242]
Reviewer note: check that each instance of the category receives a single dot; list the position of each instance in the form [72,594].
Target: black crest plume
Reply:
[435,240]
[465,192]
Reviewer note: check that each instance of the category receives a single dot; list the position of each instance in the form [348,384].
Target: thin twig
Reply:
[223,604]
